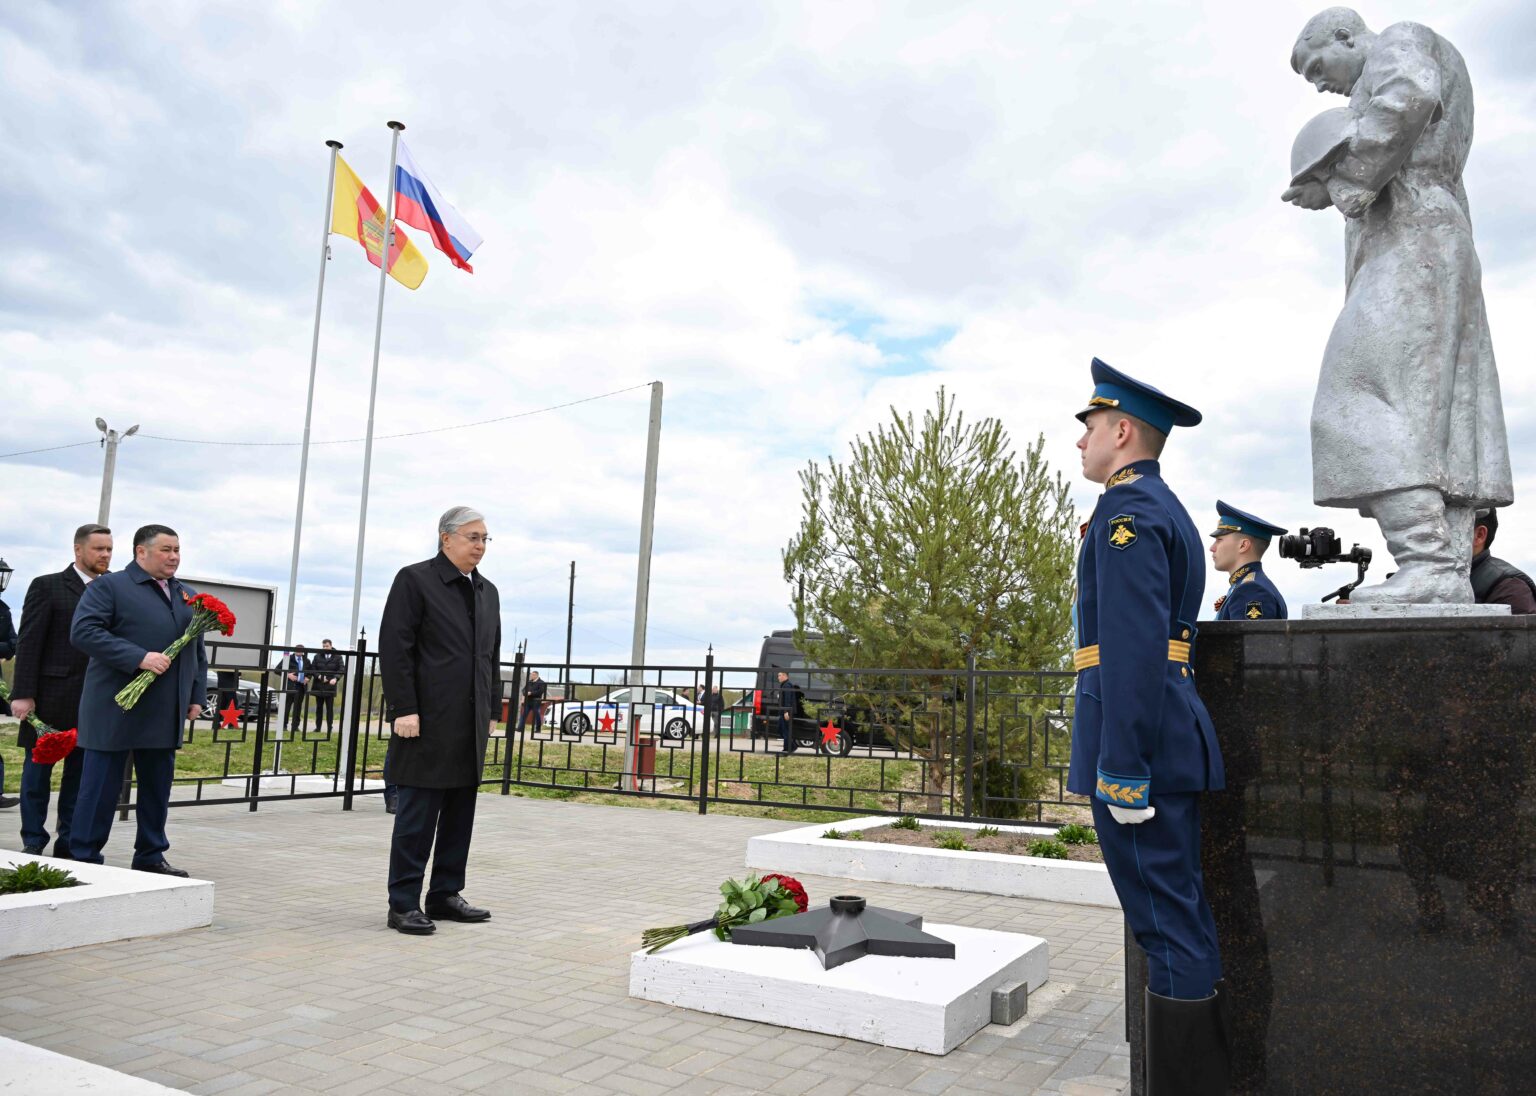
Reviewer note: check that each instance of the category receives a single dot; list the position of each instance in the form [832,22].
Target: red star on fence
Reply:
[231,715]
[829,733]
[606,723]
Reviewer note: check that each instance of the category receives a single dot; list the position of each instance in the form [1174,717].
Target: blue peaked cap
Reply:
[1233,520]
[1112,388]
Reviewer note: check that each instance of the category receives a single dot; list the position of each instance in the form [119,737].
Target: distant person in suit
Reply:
[533,701]
[49,676]
[296,680]
[7,650]
[327,667]
[439,652]
[124,621]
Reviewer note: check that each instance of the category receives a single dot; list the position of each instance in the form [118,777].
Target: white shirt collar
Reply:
[85,576]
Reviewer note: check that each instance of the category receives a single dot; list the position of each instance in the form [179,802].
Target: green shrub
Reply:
[33,876]
[1049,848]
[1073,834]
[954,842]
[907,822]
[988,831]
[833,835]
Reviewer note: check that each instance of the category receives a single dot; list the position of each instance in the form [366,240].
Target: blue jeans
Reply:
[36,788]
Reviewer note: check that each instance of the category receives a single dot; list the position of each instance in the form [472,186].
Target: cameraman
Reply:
[1238,543]
[1495,582]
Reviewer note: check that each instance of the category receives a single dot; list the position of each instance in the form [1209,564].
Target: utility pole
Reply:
[643,575]
[570,620]
[109,441]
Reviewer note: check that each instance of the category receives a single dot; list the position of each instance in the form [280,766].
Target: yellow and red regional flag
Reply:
[356,214]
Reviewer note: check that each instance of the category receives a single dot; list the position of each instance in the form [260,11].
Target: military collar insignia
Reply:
[1242,574]
[1254,611]
[1122,531]
[1128,474]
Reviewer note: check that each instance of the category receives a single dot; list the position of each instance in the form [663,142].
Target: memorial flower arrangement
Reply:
[208,614]
[745,902]
[52,743]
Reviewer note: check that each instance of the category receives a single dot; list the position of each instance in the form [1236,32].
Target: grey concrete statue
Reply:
[1407,426]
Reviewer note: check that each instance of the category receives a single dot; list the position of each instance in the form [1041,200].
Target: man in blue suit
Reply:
[123,624]
[1238,544]
[1143,748]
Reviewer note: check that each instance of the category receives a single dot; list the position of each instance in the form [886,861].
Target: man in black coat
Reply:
[439,652]
[296,681]
[791,707]
[49,676]
[7,650]
[328,669]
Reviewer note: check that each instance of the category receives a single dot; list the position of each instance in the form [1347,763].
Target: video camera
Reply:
[1315,547]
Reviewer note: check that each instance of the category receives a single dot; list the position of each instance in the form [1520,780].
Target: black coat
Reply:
[439,652]
[326,669]
[49,670]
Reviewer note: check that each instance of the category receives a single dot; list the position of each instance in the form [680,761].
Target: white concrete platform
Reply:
[929,1005]
[805,850]
[38,1072]
[111,904]
[1390,611]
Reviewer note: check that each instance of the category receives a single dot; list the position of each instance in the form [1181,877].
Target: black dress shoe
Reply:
[8,801]
[454,908]
[389,804]
[33,850]
[412,923]
[162,868]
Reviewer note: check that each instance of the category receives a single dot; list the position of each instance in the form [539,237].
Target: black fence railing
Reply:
[980,744]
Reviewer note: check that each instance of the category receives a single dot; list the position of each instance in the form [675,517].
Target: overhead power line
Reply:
[349,441]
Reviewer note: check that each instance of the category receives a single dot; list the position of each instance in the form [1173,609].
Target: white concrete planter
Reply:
[805,850]
[111,904]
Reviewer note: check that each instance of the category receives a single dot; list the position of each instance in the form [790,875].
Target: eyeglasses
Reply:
[473,538]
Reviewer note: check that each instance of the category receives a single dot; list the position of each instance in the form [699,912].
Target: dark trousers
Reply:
[424,817]
[293,719]
[37,788]
[787,732]
[325,710]
[1155,867]
[530,715]
[101,782]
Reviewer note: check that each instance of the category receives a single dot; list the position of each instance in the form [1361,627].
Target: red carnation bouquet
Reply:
[52,743]
[746,902]
[208,614]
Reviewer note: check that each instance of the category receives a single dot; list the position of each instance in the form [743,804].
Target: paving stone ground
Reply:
[298,987]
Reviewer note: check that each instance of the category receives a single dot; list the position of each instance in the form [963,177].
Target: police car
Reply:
[654,710]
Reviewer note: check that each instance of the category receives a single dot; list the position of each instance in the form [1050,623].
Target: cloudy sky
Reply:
[794,215]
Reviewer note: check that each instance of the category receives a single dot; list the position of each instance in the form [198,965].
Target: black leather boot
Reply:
[1186,1047]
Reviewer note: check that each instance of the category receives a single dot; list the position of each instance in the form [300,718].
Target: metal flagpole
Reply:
[643,577]
[309,409]
[373,391]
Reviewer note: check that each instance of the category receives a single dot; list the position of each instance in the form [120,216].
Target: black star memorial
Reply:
[846,930]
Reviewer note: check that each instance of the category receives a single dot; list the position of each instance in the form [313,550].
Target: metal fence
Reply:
[965,743]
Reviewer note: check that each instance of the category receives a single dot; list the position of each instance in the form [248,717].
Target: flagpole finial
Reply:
[396,125]
[334,144]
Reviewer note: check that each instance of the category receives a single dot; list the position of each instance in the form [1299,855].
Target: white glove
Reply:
[1128,817]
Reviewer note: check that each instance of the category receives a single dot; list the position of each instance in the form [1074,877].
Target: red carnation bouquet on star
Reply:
[208,614]
[52,743]
[746,902]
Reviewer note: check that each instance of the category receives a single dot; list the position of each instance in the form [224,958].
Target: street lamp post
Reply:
[109,441]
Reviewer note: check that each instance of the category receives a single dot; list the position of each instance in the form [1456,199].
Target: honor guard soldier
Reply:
[1238,544]
[1143,748]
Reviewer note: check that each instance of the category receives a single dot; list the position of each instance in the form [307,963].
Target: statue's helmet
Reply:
[1319,143]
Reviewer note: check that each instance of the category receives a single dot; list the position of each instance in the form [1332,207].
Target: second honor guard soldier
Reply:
[1143,748]
[1238,544]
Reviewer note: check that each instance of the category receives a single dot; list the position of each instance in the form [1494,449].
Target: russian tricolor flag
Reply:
[419,204]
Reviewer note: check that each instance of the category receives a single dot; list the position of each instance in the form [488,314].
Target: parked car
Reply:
[658,712]
[248,692]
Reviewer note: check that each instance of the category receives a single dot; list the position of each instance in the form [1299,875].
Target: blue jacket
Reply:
[121,617]
[1251,596]
[1139,726]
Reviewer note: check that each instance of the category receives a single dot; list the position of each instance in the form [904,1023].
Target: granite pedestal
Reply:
[1370,865]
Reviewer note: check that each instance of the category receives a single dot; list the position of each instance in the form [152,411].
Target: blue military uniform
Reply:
[1140,734]
[1251,594]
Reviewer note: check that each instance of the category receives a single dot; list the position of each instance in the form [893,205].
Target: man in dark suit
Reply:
[439,650]
[49,676]
[124,622]
[7,650]
[327,669]
[296,681]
